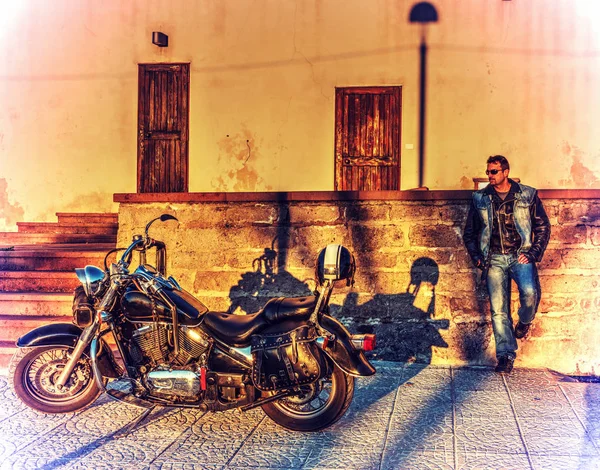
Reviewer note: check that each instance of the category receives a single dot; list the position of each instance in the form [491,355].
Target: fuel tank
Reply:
[138,307]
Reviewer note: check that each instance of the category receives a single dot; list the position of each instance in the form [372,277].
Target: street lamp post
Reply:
[422,12]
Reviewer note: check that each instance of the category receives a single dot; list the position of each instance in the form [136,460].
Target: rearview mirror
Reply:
[162,218]
[165,217]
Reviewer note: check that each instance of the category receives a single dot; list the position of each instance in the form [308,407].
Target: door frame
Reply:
[395,90]
[142,110]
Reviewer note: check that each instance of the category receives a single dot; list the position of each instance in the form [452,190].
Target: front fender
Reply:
[342,352]
[54,334]
[67,334]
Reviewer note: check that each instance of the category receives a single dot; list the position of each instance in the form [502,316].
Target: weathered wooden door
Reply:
[367,138]
[163,99]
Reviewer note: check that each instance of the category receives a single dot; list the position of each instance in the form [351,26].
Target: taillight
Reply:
[202,378]
[364,342]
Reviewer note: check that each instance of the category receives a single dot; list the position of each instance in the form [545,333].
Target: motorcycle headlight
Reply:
[91,278]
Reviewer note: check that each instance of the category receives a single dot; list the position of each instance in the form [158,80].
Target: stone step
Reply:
[87,217]
[38,281]
[37,270]
[68,228]
[8,349]
[22,238]
[12,327]
[64,247]
[35,303]
[44,258]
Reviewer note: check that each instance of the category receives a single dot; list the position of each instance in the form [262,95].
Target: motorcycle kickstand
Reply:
[129,428]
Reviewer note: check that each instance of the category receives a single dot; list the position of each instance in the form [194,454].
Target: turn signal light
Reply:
[364,342]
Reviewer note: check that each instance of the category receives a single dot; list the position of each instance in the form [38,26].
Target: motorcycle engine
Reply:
[151,343]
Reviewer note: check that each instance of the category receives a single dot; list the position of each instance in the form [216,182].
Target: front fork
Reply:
[87,335]
[84,340]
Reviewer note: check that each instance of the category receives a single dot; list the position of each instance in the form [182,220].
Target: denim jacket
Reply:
[530,219]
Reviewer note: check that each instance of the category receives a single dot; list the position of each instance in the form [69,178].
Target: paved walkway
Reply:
[405,417]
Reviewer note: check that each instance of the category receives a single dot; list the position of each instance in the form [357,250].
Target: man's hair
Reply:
[501,160]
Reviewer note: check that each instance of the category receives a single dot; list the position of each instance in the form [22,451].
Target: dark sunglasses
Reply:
[492,172]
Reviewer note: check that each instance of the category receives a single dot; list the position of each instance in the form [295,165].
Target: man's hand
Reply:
[523,259]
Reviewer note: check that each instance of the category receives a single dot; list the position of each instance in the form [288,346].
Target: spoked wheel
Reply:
[318,406]
[35,377]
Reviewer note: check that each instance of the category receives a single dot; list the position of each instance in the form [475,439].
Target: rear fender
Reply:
[67,334]
[341,351]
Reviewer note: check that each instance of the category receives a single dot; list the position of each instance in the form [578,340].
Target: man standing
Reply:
[506,233]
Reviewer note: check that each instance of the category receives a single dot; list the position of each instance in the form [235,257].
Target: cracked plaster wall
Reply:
[517,78]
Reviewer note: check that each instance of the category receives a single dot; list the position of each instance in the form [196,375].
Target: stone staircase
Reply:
[37,270]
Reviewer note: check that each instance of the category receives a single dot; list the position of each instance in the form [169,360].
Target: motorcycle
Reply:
[292,358]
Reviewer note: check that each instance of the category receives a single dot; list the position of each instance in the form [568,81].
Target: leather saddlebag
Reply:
[285,360]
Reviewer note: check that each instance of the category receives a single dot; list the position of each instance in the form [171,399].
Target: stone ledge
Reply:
[415,285]
[416,195]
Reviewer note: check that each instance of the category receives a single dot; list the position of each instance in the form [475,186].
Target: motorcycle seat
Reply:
[289,308]
[236,330]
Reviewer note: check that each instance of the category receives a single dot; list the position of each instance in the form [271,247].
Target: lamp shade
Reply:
[423,12]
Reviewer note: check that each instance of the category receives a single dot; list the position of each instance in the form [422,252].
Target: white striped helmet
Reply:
[335,262]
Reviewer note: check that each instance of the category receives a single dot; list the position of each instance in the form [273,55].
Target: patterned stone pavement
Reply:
[405,417]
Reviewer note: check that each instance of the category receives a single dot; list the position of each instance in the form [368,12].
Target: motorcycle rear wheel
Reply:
[36,371]
[322,404]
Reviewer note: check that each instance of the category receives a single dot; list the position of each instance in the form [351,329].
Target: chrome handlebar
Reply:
[137,240]
[145,241]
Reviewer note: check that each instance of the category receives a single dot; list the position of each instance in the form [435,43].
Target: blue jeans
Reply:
[502,269]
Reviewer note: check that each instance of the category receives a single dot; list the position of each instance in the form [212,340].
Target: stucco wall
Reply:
[511,77]
[415,287]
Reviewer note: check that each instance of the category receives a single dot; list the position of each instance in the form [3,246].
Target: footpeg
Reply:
[122,390]
[130,399]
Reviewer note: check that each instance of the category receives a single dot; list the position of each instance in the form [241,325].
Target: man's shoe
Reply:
[505,364]
[521,330]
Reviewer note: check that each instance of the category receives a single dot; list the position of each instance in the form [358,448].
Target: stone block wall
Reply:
[415,286]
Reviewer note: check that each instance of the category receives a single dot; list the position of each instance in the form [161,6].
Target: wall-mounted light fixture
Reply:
[160,39]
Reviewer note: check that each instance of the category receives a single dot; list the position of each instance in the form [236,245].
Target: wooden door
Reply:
[367,138]
[163,103]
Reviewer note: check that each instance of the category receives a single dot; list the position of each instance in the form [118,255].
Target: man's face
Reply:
[500,176]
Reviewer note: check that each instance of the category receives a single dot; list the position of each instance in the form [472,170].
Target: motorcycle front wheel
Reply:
[34,380]
[318,406]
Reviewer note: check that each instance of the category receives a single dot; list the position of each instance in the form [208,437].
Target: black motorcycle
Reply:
[291,358]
